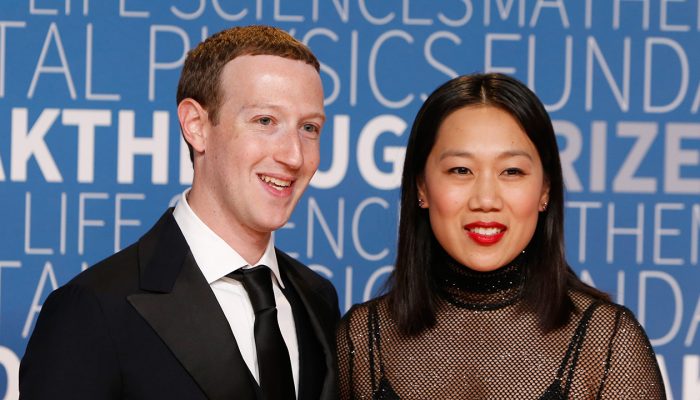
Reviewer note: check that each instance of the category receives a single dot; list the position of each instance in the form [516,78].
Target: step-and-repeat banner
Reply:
[90,151]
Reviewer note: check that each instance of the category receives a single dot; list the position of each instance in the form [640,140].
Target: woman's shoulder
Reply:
[630,362]
[359,312]
[583,301]
[604,316]
[355,326]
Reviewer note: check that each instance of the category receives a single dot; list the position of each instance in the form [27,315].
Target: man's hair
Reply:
[201,74]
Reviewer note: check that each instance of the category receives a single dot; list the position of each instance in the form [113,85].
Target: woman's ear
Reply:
[422,199]
[544,197]
[194,120]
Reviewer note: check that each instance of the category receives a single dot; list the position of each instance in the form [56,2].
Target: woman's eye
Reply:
[513,172]
[460,170]
[265,120]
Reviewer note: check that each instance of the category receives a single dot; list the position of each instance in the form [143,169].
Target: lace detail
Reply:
[486,344]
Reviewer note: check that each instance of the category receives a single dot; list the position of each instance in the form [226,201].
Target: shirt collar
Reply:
[213,255]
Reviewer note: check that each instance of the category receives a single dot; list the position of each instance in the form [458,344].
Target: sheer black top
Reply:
[486,344]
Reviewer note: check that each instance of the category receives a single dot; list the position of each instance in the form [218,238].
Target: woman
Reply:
[482,303]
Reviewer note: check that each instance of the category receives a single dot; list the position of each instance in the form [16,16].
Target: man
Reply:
[169,317]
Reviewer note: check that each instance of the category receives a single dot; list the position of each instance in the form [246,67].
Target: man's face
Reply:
[260,156]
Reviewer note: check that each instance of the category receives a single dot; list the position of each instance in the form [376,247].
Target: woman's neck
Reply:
[466,288]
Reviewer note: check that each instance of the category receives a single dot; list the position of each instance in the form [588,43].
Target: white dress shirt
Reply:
[216,259]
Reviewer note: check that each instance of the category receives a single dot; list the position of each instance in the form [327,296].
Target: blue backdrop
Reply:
[90,152]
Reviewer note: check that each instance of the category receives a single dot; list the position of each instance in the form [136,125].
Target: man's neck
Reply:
[250,244]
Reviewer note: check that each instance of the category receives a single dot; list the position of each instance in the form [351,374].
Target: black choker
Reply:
[470,289]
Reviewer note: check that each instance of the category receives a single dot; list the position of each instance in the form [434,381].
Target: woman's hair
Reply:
[412,295]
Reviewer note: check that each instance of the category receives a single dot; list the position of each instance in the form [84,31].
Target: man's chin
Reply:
[272,223]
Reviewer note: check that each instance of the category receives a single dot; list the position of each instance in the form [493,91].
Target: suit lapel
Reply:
[319,315]
[180,306]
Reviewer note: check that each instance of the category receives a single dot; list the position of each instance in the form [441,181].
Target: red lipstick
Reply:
[485,233]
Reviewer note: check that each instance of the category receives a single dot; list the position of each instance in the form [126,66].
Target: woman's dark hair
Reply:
[412,295]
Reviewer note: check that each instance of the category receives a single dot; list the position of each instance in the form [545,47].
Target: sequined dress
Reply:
[486,344]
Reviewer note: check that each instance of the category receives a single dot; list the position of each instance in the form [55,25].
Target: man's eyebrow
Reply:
[272,106]
[261,105]
[321,116]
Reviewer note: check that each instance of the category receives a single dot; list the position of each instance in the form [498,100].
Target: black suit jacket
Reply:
[144,324]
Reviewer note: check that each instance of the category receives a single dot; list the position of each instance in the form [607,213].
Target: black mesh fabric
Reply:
[486,344]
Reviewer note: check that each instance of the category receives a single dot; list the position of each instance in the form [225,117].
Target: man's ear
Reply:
[193,122]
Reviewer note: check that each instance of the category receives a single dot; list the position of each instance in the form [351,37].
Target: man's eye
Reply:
[265,120]
[310,128]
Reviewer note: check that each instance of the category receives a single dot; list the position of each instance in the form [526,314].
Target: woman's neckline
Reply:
[470,289]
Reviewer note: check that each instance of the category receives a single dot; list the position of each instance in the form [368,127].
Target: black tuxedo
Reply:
[144,324]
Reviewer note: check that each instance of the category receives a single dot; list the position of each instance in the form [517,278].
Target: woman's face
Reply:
[483,186]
